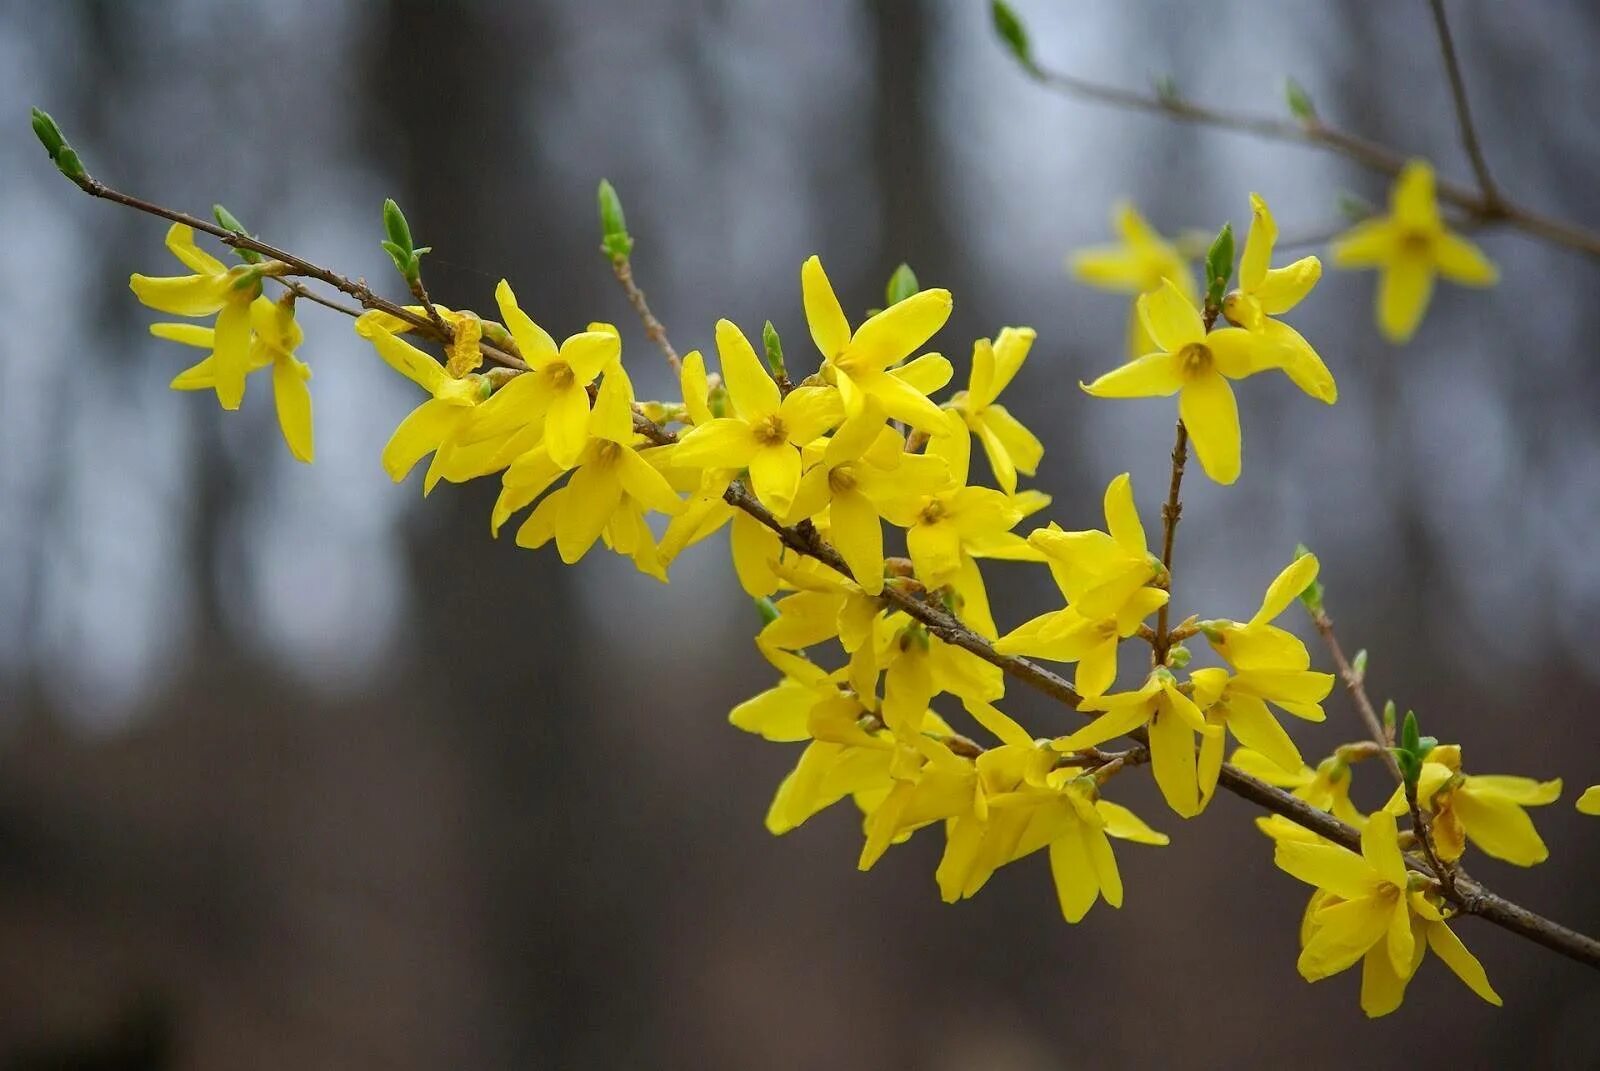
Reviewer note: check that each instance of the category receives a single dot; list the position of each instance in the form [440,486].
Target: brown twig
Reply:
[1458,92]
[1171,511]
[1313,132]
[622,268]
[1355,684]
[1470,897]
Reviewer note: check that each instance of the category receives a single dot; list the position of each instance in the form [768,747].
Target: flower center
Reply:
[841,479]
[607,452]
[560,373]
[933,512]
[1194,359]
[1416,242]
[769,430]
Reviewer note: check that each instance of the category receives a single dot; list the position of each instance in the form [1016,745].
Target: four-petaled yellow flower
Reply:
[1173,722]
[276,337]
[1195,365]
[1326,788]
[1410,246]
[1265,292]
[556,390]
[767,430]
[214,288]
[1103,577]
[860,362]
[1486,809]
[1367,910]
[1135,265]
[1010,447]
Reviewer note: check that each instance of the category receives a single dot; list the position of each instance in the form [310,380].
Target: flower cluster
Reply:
[890,665]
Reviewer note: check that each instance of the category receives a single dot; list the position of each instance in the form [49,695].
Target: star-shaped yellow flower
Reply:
[1010,447]
[1410,246]
[1135,265]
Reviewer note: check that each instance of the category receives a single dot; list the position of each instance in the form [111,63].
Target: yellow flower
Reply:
[1410,246]
[556,390]
[1173,719]
[1010,447]
[1271,666]
[276,337]
[1326,788]
[1484,808]
[214,288]
[1368,912]
[1196,366]
[1102,575]
[947,529]
[1025,805]
[1135,265]
[862,470]
[1589,802]
[860,362]
[607,488]
[1265,292]
[434,427]
[767,429]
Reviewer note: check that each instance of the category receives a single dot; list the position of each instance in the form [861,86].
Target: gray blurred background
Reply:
[298,770]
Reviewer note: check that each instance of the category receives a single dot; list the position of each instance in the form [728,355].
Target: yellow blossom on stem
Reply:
[860,362]
[1265,292]
[1173,720]
[1134,265]
[862,470]
[434,427]
[214,288]
[1326,788]
[607,488]
[1486,809]
[1010,447]
[766,430]
[1369,911]
[1409,247]
[1195,365]
[1102,575]
[276,336]
[555,390]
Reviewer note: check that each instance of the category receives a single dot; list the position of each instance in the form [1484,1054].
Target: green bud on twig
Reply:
[1219,266]
[1299,101]
[902,284]
[1354,207]
[55,143]
[407,259]
[772,345]
[1013,35]
[1166,88]
[1388,718]
[229,222]
[614,238]
[1178,657]
[1358,664]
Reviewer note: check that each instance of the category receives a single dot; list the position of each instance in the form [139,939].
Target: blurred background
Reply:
[298,770]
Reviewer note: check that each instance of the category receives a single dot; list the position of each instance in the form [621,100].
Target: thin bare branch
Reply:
[1458,91]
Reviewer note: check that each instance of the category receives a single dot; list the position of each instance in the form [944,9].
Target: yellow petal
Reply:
[186,334]
[725,442]
[1155,375]
[566,424]
[1462,262]
[1172,761]
[1499,827]
[1255,727]
[1412,199]
[533,341]
[1281,289]
[1404,288]
[755,547]
[231,357]
[1589,802]
[1398,941]
[829,328]
[411,362]
[1380,847]
[1122,516]
[1286,587]
[1020,444]
[184,295]
[1344,932]
[589,353]
[808,412]
[751,390]
[293,402]
[1125,825]
[775,475]
[1257,256]
[1368,244]
[858,535]
[181,244]
[1208,410]
[696,387]
[778,714]
[901,400]
[1448,947]
[1171,318]
[592,496]
[1520,790]
[1326,866]
[419,435]
[1382,989]
[612,415]
[928,373]
[893,334]
[647,486]
[1077,888]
